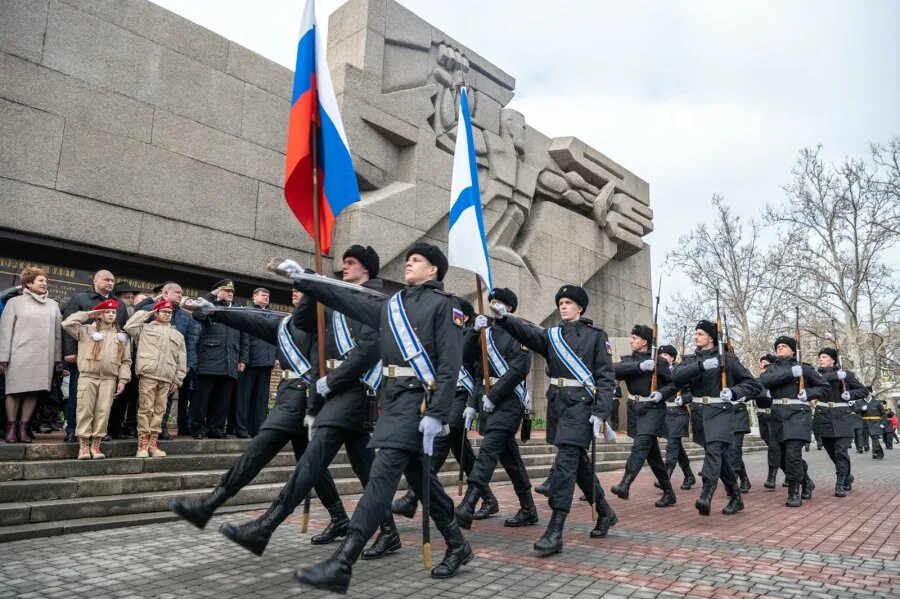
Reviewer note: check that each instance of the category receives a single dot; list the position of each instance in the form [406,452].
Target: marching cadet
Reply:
[832,421]
[637,370]
[582,382]
[421,353]
[678,421]
[509,363]
[860,429]
[791,419]
[887,429]
[284,423]
[872,415]
[736,450]
[702,374]
[457,441]
[763,403]
[336,418]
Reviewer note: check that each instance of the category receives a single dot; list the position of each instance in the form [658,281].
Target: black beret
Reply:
[575,293]
[433,254]
[507,296]
[643,331]
[789,341]
[709,328]
[367,256]
[829,351]
[668,349]
[467,307]
[768,358]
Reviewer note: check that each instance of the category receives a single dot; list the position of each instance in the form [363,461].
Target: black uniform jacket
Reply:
[260,354]
[508,410]
[718,418]
[430,312]
[792,421]
[573,405]
[345,405]
[834,416]
[221,347]
[650,416]
[872,414]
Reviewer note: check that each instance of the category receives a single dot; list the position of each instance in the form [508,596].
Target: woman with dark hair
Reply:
[30,350]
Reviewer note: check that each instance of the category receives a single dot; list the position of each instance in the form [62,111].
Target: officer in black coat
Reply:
[403,434]
[337,417]
[284,423]
[700,374]
[581,400]
[221,355]
[872,413]
[791,424]
[253,384]
[832,421]
[509,363]
[637,371]
[678,420]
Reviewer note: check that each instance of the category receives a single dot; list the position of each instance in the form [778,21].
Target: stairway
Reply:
[44,491]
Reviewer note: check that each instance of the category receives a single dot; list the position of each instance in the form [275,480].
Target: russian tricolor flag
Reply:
[466,243]
[313,103]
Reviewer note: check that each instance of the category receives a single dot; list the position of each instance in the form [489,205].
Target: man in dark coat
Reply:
[253,384]
[421,353]
[872,414]
[637,370]
[678,420]
[763,403]
[284,423]
[791,413]
[579,399]
[505,403]
[700,374]
[222,355]
[832,421]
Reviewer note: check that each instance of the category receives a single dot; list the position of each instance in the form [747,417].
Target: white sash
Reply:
[465,380]
[501,367]
[344,341]
[296,360]
[569,357]
[410,346]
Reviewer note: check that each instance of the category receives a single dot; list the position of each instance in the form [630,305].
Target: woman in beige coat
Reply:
[30,350]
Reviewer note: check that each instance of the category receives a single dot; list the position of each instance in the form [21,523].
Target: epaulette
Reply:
[443,292]
[596,328]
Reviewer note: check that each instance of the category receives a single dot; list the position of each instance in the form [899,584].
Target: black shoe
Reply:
[465,512]
[551,542]
[848,483]
[165,436]
[527,514]
[106,438]
[387,541]
[249,535]
[406,506]
[243,435]
[70,438]
[457,555]
[199,511]
[336,529]
[197,435]
[840,487]
[334,574]
[807,488]
[621,489]
[689,481]
[704,502]
[606,519]
[667,499]
[858,450]
[745,485]
[735,504]
[806,447]
[793,499]
[544,487]
[488,508]
[124,435]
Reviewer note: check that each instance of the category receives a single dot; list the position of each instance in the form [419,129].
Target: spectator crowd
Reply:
[114,361]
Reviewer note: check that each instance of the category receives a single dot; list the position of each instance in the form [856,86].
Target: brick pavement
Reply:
[830,548]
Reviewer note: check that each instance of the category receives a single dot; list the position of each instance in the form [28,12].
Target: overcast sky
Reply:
[697,98]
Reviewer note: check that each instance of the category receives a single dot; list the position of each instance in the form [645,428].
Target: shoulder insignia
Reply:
[443,292]
[458,317]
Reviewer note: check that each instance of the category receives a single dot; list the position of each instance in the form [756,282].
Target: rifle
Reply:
[729,346]
[801,382]
[654,346]
[721,337]
[426,497]
[840,358]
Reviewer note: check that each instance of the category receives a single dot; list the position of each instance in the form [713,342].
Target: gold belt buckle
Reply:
[830,404]
[705,401]
[329,364]
[559,382]
[392,371]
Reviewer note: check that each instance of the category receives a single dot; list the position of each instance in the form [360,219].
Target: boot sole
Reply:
[228,532]
[175,506]
[613,522]
[619,494]
[531,522]
[546,552]
[313,540]
[703,509]
[334,588]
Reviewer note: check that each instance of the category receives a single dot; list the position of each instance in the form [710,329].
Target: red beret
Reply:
[162,305]
[109,304]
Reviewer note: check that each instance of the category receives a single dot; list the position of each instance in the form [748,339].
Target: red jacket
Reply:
[894,421]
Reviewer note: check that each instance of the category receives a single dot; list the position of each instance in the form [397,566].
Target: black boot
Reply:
[840,487]
[527,513]
[848,483]
[406,506]
[621,490]
[387,541]
[770,479]
[735,504]
[745,483]
[689,481]
[668,497]
[551,542]
[334,574]
[255,534]
[457,555]
[807,488]
[793,499]
[336,528]
[544,487]
[199,511]
[489,506]
[606,519]
[465,512]
[671,470]
[704,502]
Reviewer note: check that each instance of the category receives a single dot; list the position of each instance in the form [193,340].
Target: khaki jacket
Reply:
[109,366]
[161,353]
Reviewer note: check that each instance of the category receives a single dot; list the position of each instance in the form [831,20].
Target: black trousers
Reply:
[716,464]
[572,466]
[453,442]
[675,454]
[888,437]
[837,449]
[775,454]
[764,427]
[736,456]
[500,445]
[876,446]
[860,439]
[184,401]
[123,412]
[252,399]
[210,406]
[646,449]
[794,466]
[262,449]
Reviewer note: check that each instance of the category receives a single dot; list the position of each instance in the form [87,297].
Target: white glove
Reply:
[430,427]
[845,396]
[487,404]
[608,433]
[710,363]
[802,394]
[499,310]
[647,365]
[595,423]
[841,374]
[322,386]
[527,401]
[469,416]
[741,399]
[291,267]
[481,322]
[768,394]
[797,371]
[309,422]
[726,394]
[656,396]
[679,401]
